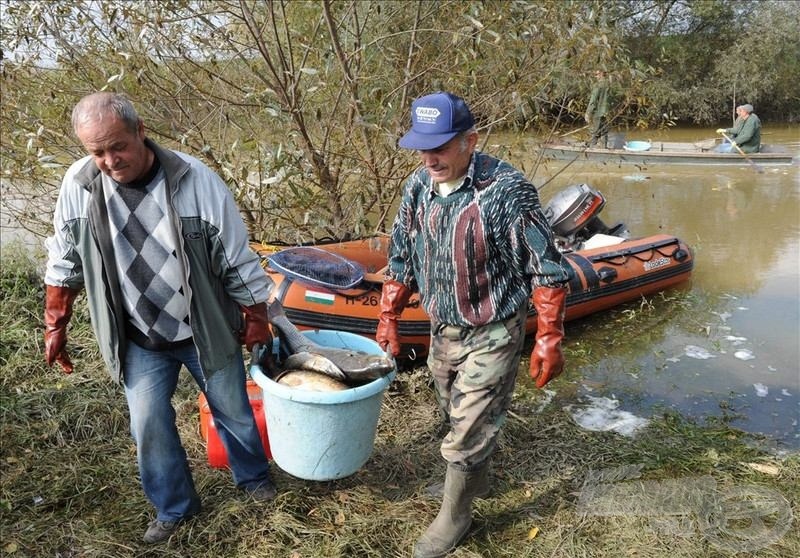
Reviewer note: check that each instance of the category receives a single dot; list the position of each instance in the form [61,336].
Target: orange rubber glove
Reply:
[547,360]
[394,298]
[256,326]
[57,313]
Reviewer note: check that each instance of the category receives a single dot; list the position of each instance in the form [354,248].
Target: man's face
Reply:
[117,151]
[451,160]
[741,113]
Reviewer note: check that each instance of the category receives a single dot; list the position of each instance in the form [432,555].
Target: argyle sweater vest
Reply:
[144,242]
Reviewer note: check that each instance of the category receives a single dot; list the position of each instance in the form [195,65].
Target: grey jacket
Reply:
[219,270]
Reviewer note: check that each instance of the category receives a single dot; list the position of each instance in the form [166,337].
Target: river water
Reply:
[726,346]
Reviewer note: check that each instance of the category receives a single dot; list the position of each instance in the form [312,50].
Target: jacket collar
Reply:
[174,167]
[468,179]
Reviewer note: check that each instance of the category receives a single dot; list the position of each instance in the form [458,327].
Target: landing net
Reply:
[317,267]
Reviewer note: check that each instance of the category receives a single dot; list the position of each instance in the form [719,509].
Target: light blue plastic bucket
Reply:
[638,146]
[323,435]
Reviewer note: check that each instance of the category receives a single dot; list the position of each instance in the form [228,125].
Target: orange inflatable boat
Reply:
[604,277]
[610,269]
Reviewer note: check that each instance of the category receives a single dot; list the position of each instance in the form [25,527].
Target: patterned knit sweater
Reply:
[476,254]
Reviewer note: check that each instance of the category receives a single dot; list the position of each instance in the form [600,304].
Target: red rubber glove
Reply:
[256,326]
[547,360]
[394,298]
[57,313]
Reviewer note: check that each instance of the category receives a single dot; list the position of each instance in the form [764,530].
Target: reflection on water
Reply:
[12,202]
[729,345]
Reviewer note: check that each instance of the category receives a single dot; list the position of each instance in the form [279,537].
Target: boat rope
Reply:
[619,257]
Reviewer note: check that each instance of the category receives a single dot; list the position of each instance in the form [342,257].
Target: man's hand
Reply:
[256,326]
[720,130]
[394,298]
[547,360]
[57,313]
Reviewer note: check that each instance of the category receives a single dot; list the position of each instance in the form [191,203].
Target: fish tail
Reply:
[289,333]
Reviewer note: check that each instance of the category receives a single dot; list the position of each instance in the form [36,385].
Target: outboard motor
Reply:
[573,215]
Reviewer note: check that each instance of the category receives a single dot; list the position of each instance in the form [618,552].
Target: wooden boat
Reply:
[605,276]
[663,152]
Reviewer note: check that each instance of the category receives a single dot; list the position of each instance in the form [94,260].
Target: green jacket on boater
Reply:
[746,133]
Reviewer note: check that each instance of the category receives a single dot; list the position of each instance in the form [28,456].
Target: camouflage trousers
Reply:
[474,371]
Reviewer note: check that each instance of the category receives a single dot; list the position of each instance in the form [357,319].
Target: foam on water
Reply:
[602,414]
[735,340]
[549,394]
[694,351]
[744,354]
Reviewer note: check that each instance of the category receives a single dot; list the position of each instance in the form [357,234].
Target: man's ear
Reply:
[472,141]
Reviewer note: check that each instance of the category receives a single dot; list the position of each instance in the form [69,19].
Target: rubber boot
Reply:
[455,515]
[483,487]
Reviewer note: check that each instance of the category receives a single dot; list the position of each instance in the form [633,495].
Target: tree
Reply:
[297,105]
[711,52]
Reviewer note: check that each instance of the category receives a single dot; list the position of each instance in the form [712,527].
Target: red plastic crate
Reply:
[217,457]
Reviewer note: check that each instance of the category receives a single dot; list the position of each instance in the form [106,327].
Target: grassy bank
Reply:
[69,484]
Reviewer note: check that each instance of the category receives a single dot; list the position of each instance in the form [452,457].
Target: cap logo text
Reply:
[427,114]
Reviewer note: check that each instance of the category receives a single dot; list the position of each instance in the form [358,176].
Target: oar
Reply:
[739,149]
[574,131]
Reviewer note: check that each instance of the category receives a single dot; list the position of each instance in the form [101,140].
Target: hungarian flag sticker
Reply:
[319,298]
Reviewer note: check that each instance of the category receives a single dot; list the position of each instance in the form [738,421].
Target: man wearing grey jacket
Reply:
[155,239]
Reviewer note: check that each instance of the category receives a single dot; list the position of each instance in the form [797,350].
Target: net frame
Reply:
[317,267]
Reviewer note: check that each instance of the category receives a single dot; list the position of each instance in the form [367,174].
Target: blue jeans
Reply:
[150,379]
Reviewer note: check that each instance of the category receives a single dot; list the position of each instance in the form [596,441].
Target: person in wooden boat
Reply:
[471,237]
[157,242]
[597,110]
[746,131]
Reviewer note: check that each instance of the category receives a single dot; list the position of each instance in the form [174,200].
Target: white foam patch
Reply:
[744,354]
[723,315]
[761,389]
[785,392]
[602,415]
[693,351]
[549,394]
[735,340]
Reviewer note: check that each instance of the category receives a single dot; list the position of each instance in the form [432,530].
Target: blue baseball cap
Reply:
[436,119]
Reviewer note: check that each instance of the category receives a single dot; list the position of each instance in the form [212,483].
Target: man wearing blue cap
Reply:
[471,237]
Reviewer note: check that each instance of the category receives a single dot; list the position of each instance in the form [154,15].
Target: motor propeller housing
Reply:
[573,214]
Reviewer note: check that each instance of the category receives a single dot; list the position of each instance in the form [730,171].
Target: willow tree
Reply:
[715,54]
[297,105]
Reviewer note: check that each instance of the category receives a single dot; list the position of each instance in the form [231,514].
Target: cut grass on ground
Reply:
[70,488]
